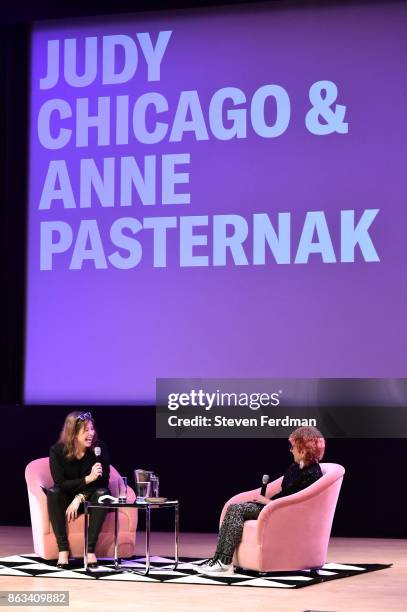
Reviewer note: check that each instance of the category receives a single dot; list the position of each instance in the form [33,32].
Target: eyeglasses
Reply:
[290,447]
[84,416]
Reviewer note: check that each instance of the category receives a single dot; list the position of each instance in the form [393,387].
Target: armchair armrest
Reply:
[37,478]
[272,488]
[280,510]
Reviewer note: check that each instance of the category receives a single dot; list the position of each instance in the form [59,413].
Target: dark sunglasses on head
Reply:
[84,416]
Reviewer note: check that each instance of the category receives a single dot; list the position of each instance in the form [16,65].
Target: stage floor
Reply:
[381,591]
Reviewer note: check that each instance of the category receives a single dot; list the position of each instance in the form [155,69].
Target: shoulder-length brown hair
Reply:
[310,440]
[69,432]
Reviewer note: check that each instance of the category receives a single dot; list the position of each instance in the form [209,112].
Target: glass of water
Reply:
[155,484]
[142,491]
[122,489]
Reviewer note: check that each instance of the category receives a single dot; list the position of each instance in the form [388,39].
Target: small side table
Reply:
[146,506]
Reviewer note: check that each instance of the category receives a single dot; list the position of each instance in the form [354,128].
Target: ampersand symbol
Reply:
[333,119]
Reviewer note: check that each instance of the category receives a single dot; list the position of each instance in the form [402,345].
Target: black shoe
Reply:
[64,566]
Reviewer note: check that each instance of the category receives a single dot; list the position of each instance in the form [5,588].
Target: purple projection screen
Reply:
[216,193]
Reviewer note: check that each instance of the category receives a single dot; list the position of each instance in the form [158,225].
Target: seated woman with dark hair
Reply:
[78,475]
[307,445]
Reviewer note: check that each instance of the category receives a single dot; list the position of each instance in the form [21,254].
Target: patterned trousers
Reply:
[231,530]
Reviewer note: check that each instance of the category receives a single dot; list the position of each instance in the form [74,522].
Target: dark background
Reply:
[203,474]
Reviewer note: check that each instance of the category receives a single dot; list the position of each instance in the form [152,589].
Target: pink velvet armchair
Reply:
[38,475]
[291,533]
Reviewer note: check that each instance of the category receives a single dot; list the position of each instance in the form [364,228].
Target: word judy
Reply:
[119,56]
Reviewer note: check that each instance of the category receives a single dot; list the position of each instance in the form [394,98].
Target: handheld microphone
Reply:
[98,451]
[264,482]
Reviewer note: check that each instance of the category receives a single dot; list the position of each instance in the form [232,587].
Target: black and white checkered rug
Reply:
[187,572]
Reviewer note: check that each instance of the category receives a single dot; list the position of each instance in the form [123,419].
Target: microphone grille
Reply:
[265,478]
[98,451]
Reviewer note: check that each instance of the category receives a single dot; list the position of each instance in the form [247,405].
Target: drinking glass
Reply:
[142,491]
[122,489]
[155,484]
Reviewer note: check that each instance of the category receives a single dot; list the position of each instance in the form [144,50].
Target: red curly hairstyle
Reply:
[310,440]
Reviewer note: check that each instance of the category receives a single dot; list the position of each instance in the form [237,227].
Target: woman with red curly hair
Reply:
[307,445]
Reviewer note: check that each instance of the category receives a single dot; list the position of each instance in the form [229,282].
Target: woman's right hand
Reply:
[261,499]
[95,472]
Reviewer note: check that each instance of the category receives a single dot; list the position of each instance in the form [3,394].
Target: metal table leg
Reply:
[176,531]
[148,528]
[116,536]
[86,536]
[147,532]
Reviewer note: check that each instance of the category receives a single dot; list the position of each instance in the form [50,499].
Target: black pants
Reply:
[58,501]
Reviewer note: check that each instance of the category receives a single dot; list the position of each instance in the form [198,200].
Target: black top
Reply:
[296,479]
[70,474]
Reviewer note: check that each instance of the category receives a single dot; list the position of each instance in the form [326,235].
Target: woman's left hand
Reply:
[72,510]
[261,499]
